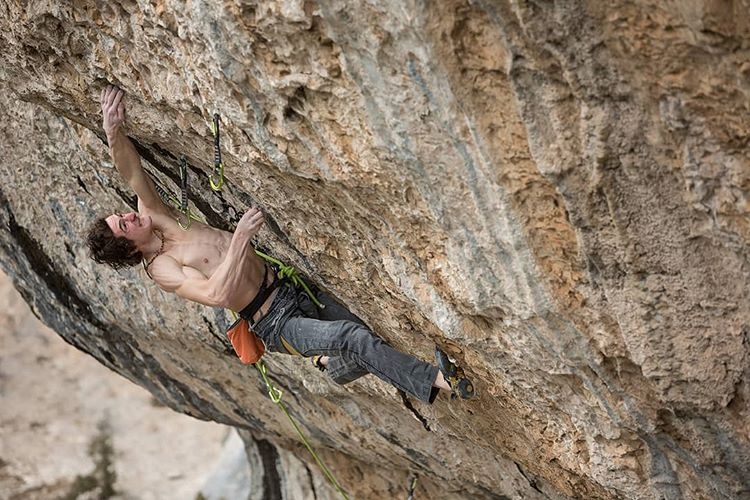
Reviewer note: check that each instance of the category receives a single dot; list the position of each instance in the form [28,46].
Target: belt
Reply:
[264,292]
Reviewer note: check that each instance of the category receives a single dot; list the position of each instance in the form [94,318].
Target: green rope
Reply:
[290,273]
[275,395]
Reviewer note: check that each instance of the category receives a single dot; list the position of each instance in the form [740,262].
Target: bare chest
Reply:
[204,249]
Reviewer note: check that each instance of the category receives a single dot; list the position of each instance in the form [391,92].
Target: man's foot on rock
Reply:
[455,376]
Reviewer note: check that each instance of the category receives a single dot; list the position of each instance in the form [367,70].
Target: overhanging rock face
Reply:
[556,194]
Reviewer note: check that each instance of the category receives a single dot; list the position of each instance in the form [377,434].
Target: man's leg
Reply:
[343,368]
[332,311]
[367,351]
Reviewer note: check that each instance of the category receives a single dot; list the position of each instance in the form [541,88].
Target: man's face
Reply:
[130,225]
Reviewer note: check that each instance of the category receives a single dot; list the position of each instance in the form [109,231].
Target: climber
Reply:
[220,269]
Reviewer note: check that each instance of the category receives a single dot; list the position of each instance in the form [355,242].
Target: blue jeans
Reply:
[353,349]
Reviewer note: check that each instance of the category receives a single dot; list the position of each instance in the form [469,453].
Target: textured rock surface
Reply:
[557,192]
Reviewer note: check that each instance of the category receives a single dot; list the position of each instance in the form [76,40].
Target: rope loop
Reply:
[290,273]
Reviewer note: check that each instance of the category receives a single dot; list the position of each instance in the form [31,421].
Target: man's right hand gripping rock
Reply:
[250,223]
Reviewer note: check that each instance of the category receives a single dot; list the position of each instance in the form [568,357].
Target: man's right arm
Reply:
[123,152]
[229,276]
[185,282]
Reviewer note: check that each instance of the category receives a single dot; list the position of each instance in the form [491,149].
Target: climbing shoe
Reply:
[455,376]
[317,364]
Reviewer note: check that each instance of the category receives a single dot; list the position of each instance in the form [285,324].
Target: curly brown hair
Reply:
[106,248]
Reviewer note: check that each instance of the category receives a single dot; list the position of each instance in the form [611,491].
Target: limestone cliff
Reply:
[557,192]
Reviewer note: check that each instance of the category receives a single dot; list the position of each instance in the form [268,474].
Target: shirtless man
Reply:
[220,269]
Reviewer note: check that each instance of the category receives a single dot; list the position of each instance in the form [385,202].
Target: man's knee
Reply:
[359,338]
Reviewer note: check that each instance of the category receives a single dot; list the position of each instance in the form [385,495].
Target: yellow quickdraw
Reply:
[218,165]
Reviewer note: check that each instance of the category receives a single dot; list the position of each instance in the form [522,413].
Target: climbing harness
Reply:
[218,165]
[264,292]
[248,347]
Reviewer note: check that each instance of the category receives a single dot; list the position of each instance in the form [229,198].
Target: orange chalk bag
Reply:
[247,345]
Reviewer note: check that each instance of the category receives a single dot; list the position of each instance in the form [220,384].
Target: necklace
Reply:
[161,249]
